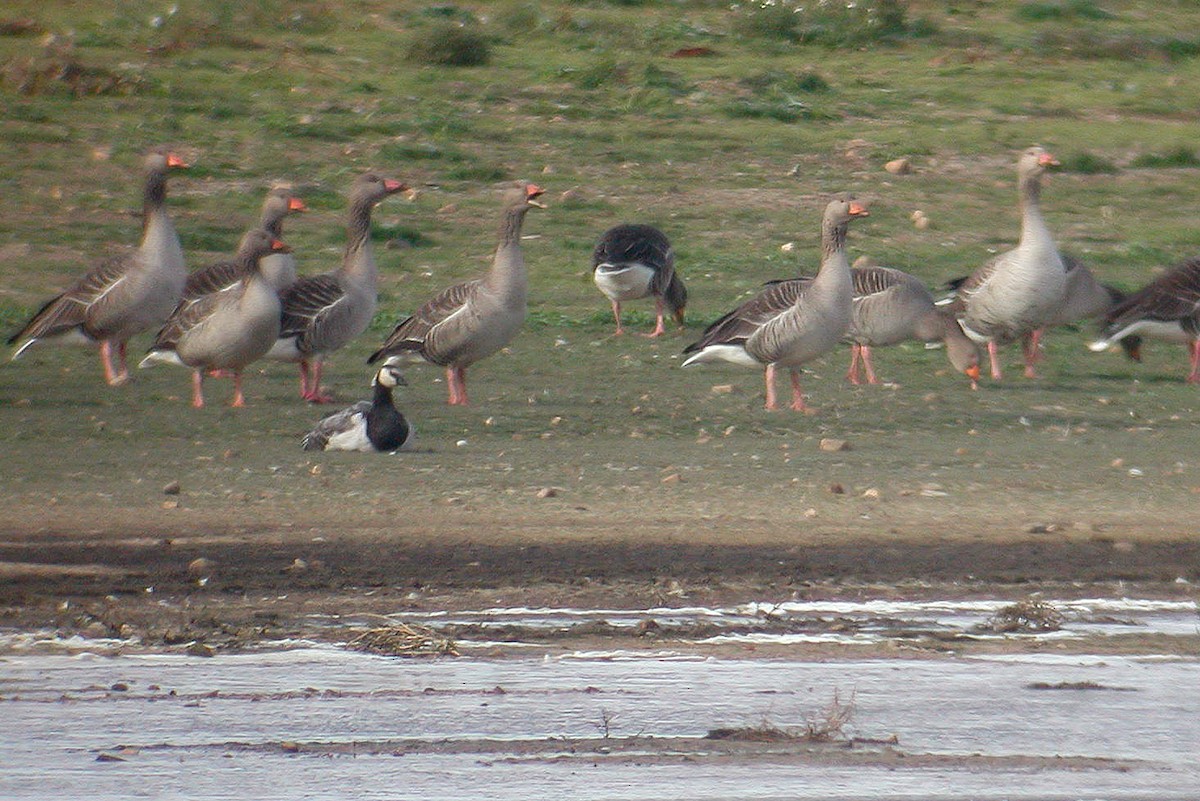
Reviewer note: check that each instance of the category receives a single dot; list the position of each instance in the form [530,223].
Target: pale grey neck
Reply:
[1034,230]
[508,265]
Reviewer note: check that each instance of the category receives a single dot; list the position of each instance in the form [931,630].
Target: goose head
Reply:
[389,376]
[523,195]
[1034,161]
[960,350]
[281,202]
[371,188]
[258,243]
[842,210]
[160,160]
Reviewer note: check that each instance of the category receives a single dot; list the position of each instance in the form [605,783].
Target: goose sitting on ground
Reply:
[1167,308]
[1020,290]
[122,297]
[278,268]
[225,330]
[890,307]
[374,425]
[767,331]
[322,313]
[471,321]
[635,261]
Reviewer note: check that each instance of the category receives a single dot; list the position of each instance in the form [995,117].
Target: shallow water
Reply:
[212,727]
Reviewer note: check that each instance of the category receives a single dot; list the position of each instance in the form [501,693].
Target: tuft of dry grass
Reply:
[402,639]
[1029,615]
[828,725]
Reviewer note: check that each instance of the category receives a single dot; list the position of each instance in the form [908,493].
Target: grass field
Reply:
[728,128]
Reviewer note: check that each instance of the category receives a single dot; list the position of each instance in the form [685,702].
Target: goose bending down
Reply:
[322,313]
[278,268]
[892,306]
[1167,308]
[1020,290]
[228,329]
[471,321]
[767,330]
[124,296]
[635,261]
[374,425]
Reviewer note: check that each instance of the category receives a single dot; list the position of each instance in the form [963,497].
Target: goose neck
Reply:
[359,258]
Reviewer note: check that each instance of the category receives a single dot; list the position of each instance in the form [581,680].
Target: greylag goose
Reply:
[228,329]
[1085,298]
[322,313]
[1167,308]
[471,321]
[1020,290]
[124,296]
[892,306]
[278,268]
[374,425]
[635,261]
[765,330]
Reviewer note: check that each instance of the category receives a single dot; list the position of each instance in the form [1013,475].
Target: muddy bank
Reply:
[178,580]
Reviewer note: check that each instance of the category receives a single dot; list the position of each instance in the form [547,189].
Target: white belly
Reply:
[626,282]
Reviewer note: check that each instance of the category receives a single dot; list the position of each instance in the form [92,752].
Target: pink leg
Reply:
[111,377]
[197,389]
[797,395]
[1031,348]
[616,308]
[870,368]
[304,379]
[462,386]
[122,365]
[239,400]
[1194,351]
[456,379]
[995,360]
[314,394]
[769,377]
[659,328]
[852,374]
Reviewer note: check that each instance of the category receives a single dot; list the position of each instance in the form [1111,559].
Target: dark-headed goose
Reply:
[322,313]
[124,296]
[228,329]
[636,261]
[473,320]
[766,331]
[374,425]
[1168,308]
[1018,291]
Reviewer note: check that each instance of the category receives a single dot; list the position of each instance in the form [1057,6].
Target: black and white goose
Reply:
[635,261]
[374,425]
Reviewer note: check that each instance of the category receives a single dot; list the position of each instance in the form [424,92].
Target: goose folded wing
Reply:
[1176,296]
[738,325]
[410,333]
[334,423]
[187,316]
[70,309]
[307,302]
[212,278]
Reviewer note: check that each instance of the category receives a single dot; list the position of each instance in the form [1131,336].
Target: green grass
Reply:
[733,154]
